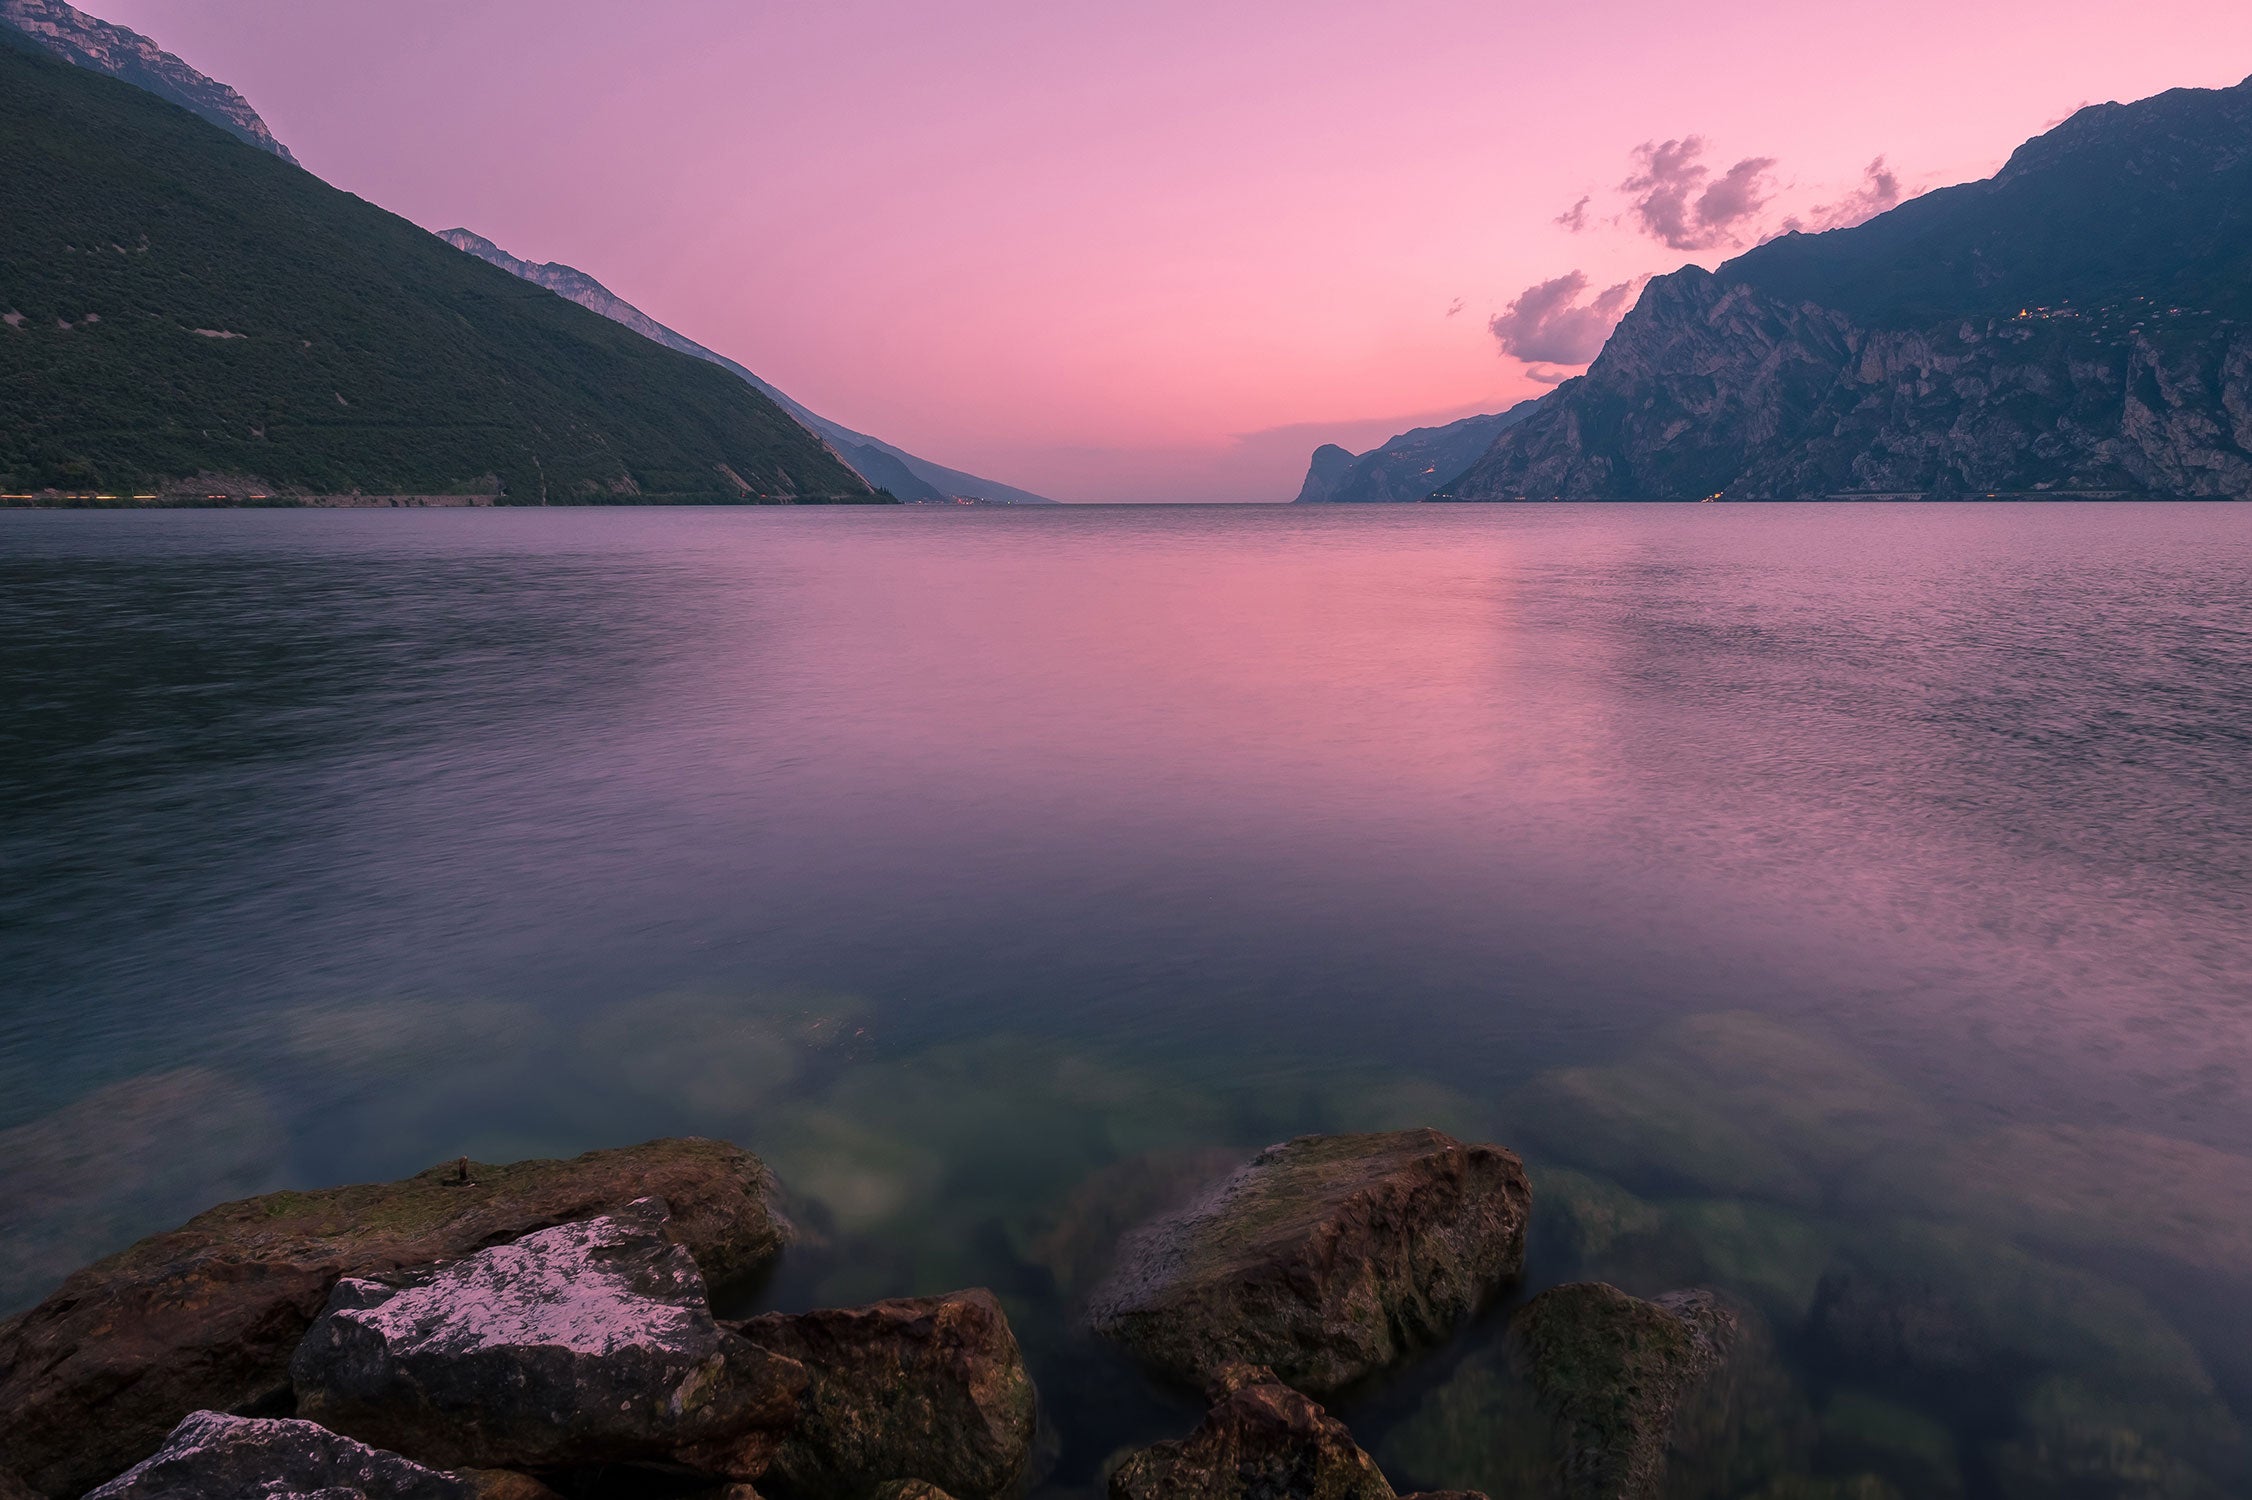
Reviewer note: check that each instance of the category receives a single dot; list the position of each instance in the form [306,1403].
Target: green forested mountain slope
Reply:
[179,304]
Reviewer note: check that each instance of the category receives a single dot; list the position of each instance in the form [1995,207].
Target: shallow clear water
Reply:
[1849,906]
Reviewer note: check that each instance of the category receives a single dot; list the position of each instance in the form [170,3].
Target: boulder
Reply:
[932,1389]
[910,1489]
[212,1456]
[12,1488]
[207,1315]
[589,1343]
[1261,1440]
[1612,1372]
[503,1484]
[1325,1259]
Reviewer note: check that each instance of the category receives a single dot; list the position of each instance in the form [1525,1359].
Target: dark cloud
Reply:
[1454,307]
[1879,190]
[1676,200]
[1549,324]
[1547,376]
[1575,217]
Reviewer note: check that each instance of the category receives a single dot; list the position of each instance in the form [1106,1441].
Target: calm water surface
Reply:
[1849,906]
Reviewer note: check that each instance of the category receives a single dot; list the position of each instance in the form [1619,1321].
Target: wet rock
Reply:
[12,1488]
[503,1484]
[212,1455]
[1324,1259]
[588,1343]
[207,1315]
[1612,1371]
[1261,1440]
[910,1489]
[1080,1245]
[926,1388]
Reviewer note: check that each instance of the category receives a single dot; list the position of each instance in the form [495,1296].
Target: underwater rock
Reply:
[503,1484]
[213,1455]
[1734,1102]
[1913,1307]
[1080,1244]
[588,1343]
[206,1316]
[926,1388]
[1261,1440]
[1613,1371]
[1324,1259]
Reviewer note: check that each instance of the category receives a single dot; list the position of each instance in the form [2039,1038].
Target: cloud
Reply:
[1549,324]
[1879,190]
[1677,202]
[1454,307]
[1575,217]
[1547,376]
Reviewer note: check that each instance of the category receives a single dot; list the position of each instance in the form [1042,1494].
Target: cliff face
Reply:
[2079,323]
[76,37]
[904,475]
[1408,467]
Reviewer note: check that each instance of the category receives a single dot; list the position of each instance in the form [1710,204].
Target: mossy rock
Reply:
[1324,1259]
[206,1316]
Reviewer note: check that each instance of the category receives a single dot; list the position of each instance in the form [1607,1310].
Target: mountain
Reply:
[176,307]
[893,469]
[2079,323]
[78,38]
[1407,467]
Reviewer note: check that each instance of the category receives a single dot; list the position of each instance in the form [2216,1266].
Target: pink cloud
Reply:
[1879,190]
[1549,324]
[1676,201]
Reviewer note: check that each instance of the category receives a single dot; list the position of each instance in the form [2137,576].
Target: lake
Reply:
[1847,906]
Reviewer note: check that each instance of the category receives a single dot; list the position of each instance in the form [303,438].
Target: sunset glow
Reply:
[1160,251]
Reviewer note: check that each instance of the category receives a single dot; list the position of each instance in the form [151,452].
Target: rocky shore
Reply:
[543,1329]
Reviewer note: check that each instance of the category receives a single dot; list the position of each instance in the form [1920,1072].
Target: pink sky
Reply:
[1153,251]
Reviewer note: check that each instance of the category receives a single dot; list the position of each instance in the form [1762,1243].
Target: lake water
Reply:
[1847,906]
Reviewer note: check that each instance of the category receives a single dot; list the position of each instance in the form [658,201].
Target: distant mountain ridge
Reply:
[1407,467]
[894,469]
[96,45]
[2078,324]
[185,318]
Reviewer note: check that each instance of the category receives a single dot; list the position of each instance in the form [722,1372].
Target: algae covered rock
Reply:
[1260,1441]
[211,1455]
[1612,1371]
[925,1388]
[587,1343]
[206,1316]
[1325,1259]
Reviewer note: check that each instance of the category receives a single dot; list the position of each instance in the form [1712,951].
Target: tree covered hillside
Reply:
[179,304]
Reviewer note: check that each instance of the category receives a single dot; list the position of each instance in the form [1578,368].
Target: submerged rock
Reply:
[932,1389]
[1325,1259]
[587,1343]
[207,1315]
[1260,1441]
[1613,1370]
[212,1456]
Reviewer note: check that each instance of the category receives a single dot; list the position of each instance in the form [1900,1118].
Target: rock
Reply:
[1261,1440]
[1081,1244]
[207,1315]
[503,1484]
[926,1388]
[1612,1371]
[1325,1259]
[910,1489]
[212,1456]
[589,1343]
[12,1488]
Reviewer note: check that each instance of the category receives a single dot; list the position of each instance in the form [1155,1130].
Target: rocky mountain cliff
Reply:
[1407,467]
[2078,324]
[76,37]
[903,474]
